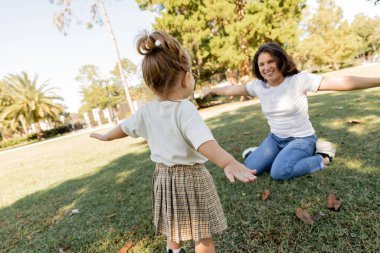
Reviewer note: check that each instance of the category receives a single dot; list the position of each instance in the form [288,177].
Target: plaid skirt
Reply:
[186,205]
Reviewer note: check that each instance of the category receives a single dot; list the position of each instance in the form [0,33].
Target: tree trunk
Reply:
[243,42]
[101,6]
[40,133]
[24,125]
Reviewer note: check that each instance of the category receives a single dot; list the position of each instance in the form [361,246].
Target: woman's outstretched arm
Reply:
[231,90]
[344,83]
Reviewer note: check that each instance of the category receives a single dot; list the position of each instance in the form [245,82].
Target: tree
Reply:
[101,91]
[328,41]
[94,93]
[5,127]
[99,14]
[223,35]
[368,30]
[30,102]
[130,70]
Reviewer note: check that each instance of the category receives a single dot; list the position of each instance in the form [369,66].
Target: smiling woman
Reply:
[291,148]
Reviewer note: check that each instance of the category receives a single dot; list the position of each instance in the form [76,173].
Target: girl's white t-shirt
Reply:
[174,131]
[285,106]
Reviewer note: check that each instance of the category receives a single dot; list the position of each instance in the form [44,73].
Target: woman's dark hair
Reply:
[285,63]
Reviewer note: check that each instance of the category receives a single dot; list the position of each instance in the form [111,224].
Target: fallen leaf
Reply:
[111,215]
[247,133]
[332,203]
[73,211]
[354,122]
[65,249]
[304,216]
[126,247]
[265,195]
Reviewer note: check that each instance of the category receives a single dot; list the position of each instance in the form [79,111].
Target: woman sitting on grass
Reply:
[291,148]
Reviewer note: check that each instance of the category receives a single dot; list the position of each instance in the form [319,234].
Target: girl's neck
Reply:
[170,98]
[173,96]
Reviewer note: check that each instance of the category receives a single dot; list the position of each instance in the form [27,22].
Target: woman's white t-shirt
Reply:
[285,106]
[174,131]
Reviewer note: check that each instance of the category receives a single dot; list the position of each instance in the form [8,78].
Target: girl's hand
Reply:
[101,137]
[238,171]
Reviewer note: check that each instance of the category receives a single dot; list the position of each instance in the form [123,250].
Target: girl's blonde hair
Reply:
[165,61]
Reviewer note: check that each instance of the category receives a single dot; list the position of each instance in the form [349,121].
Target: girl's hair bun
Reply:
[147,43]
[165,61]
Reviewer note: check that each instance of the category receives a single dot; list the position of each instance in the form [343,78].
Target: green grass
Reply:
[110,184]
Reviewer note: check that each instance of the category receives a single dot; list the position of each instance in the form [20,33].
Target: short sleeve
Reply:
[195,131]
[130,126]
[250,88]
[309,82]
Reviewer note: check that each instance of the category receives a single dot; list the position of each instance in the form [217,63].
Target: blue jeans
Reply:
[285,158]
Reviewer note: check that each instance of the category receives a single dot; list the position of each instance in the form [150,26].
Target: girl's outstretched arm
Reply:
[232,168]
[115,133]
[344,83]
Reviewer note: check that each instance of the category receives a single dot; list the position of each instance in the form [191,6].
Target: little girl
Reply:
[186,205]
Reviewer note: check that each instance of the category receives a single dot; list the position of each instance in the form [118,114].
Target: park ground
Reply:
[80,195]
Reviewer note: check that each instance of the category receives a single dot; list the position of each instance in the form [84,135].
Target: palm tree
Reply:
[30,102]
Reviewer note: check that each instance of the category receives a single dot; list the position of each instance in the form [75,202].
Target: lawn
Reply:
[110,185]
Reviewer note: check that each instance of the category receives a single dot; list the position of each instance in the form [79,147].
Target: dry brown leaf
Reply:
[332,203]
[265,195]
[237,150]
[65,249]
[304,216]
[126,247]
[354,122]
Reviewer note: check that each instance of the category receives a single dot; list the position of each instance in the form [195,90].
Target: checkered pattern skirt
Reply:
[186,205]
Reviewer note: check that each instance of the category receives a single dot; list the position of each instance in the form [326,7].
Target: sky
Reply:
[30,42]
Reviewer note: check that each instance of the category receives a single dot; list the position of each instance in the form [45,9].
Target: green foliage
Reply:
[29,102]
[97,91]
[100,91]
[368,30]
[31,138]
[223,35]
[328,41]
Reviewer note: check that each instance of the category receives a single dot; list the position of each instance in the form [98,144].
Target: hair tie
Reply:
[157,43]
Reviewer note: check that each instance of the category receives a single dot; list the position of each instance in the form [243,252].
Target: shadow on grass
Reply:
[115,203]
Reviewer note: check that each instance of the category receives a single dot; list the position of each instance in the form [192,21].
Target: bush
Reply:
[33,137]
[57,131]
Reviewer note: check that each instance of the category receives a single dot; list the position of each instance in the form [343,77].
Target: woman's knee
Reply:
[259,167]
[280,173]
